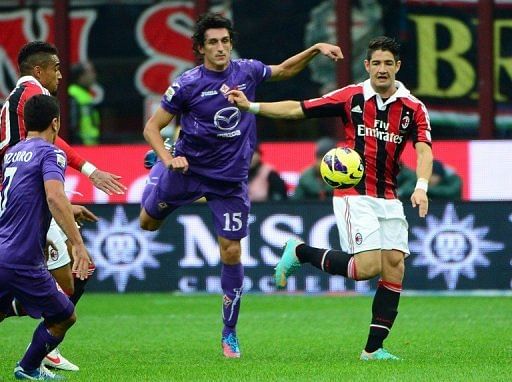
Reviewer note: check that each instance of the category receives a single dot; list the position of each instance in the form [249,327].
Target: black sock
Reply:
[331,261]
[384,312]
[11,312]
[79,290]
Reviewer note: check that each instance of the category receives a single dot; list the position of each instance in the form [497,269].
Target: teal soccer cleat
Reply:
[380,354]
[230,346]
[288,263]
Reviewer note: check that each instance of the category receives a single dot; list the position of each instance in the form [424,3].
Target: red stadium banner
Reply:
[288,158]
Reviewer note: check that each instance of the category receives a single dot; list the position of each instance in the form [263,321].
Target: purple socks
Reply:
[232,279]
[42,343]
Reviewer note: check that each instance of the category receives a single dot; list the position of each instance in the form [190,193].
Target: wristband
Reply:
[87,169]
[254,107]
[422,184]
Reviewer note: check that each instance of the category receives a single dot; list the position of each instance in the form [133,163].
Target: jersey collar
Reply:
[34,81]
[369,92]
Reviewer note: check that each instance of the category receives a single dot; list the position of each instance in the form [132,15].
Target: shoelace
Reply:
[232,341]
[44,372]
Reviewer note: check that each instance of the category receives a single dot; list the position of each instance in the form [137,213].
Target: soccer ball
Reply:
[341,167]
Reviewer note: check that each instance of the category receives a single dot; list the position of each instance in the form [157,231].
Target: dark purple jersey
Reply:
[216,138]
[24,213]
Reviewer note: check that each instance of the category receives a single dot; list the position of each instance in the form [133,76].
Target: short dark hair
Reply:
[209,21]
[39,111]
[383,43]
[35,53]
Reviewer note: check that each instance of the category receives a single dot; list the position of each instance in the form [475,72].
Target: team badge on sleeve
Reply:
[61,160]
[169,93]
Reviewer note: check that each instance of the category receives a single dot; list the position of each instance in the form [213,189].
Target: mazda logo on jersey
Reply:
[227,118]
[452,247]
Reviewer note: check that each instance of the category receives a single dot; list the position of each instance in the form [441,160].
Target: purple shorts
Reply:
[229,202]
[37,292]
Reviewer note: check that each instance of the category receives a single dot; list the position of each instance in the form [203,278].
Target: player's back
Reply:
[24,212]
[12,126]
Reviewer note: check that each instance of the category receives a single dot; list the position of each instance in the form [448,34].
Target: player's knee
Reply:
[231,254]
[59,329]
[70,321]
[147,223]
[394,261]
[148,226]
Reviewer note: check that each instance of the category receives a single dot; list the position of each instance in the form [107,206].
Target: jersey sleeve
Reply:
[173,98]
[329,105]
[259,71]
[53,164]
[422,122]
[75,160]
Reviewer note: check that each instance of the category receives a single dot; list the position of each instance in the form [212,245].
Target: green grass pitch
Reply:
[166,337]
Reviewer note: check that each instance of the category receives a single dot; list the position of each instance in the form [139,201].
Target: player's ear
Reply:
[36,71]
[55,124]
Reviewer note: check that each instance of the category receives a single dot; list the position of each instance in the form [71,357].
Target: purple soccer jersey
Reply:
[24,213]
[216,138]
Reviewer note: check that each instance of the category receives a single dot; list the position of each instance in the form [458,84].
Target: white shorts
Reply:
[366,223]
[60,257]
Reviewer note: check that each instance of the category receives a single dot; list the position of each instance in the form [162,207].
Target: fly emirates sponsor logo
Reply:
[379,131]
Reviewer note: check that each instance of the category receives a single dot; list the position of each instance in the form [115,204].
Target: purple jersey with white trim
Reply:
[216,138]
[24,212]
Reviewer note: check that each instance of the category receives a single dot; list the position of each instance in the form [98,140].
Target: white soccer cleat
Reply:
[55,360]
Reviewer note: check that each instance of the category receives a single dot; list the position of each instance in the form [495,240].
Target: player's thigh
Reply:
[154,175]
[173,190]
[64,278]
[37,292]
[230,209]
[58,256]
[393,266]
[394,227]
[358,224]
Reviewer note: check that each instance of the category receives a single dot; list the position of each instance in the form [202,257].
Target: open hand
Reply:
[107,182]
[82,214]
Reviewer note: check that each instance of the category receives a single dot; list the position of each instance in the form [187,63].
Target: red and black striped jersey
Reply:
[377,129]
[12,125]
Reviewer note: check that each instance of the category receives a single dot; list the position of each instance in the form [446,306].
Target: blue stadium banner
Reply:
[459,246]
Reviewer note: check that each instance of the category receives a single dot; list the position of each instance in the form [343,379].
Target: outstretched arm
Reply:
[105,181]
[275,110]
[423,172]
[293,65]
